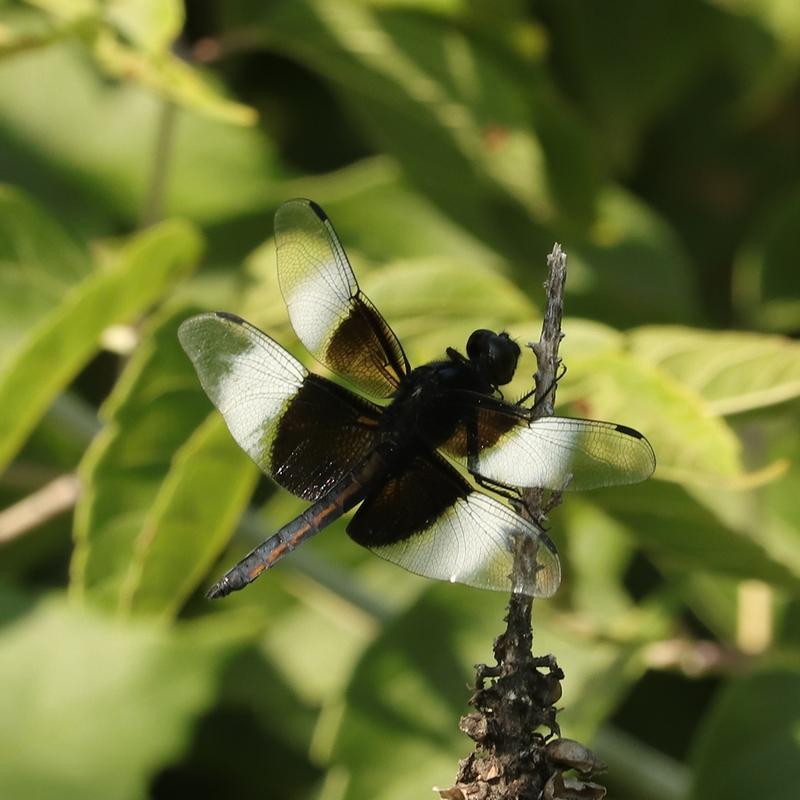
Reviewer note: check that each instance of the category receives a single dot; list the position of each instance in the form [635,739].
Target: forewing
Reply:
[300,429]
[503,447]
[331,316]
[431,522]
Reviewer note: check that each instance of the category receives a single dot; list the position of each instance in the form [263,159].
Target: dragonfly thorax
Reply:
[423,408]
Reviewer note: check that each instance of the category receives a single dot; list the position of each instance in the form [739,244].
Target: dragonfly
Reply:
[390,445]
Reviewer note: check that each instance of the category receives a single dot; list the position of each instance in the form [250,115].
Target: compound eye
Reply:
[495,354]
[479,343]
[503,356]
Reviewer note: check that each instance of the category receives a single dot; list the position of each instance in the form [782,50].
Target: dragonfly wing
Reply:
[430,521]
[301,429]
[332,317]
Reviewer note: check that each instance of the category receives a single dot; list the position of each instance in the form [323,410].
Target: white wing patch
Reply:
[249,377]
[314,273]
[552,449]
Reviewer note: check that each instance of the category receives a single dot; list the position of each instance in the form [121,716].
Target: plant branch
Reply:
[513,758]
[514,646]
[54,498]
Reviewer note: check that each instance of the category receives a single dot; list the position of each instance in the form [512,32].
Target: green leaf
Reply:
[24,29]
[89,153]
[712,524]
[449,290]
[50,353]
[155,407]
[436,303]
[170,77]
[630,266]
[39,264]
[91,708]
[682,535]
[165,484]
[776,507]
[444,7]
[732,371]
[443,104]
[749,744]
[192,518]
[692,445]
[333,633]
[131,41]
[152,25]
[377,213]
[69,10]
[599,552]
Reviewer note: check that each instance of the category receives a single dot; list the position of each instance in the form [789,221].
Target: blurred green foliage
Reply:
[451,142]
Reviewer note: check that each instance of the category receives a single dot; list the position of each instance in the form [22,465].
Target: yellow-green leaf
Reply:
[48,354]
[150,24]
[170,77]
[165,484]
[731,370]
[192,518]
[692,444]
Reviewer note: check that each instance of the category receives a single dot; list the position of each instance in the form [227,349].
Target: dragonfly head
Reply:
[495,356]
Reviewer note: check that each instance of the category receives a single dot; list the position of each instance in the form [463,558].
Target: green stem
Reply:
[154,204]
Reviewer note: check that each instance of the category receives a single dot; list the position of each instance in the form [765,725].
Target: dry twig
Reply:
[513,758]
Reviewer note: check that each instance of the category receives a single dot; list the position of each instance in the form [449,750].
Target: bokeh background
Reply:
[144,147]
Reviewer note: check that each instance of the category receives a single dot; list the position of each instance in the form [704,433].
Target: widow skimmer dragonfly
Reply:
[338,450]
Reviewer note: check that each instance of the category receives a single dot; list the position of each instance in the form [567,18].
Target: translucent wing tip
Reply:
[648,455]
[191,328]
[187,329]
[294,206]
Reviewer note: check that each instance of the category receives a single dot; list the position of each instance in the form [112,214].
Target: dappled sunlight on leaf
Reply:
[452,143]
[731,371]
[50,353]
[145,531]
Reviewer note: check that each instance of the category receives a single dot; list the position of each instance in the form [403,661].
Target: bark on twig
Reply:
[518,753]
